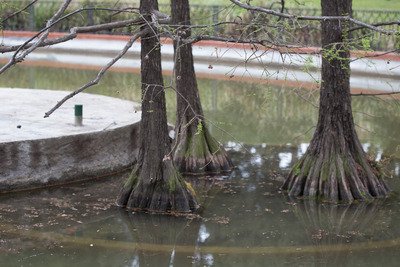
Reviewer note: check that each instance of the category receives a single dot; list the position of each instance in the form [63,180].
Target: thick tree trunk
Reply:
[335,167]
[155,184]
[195,150]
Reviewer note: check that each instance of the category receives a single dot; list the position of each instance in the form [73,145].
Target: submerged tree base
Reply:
[199,153]
[165,192]
[335,176]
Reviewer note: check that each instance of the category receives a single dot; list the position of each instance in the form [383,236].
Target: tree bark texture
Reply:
[195,150]
[155,184]
[335,167]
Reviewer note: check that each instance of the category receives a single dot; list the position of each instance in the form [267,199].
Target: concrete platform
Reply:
[37,151]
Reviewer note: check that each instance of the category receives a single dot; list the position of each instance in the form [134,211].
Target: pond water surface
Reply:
[244,219]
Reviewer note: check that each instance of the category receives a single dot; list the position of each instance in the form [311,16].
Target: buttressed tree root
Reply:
[165,192]
[197,152]
[336,176]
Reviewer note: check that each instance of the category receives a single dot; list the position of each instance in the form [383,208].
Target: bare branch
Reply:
[124,9]
[305,99]
[176,53]
[160,17]
[226,40]
[383,23]
[76,30]
[320,18]
[107,26]
[100,74]
[56,16]
[363,55]
[224,23]
[45,32]
[42,41]
[267,44]
[375,94]
[18,11]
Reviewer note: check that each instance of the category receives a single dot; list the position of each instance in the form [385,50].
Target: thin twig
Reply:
[288,49]
[226,40]
[374,55]
[18,11]
[317,18]
[42,41]
[383,23]
[45,32]
[375,94]
[100,74]
[76,30]
[305,99]
[205,26]
[173,78]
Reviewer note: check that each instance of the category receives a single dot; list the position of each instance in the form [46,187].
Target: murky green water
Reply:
[245,220]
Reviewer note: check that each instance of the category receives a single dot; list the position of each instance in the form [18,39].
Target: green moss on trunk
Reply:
[197,152]
[132,179]
[166,192]
[155,185]
[339,170]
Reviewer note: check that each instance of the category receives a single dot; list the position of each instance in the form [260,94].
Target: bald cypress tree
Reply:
[335,167]
[155,183]
[195,150]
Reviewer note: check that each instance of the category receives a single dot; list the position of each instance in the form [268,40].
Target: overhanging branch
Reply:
[53,21]
[315,18]
[375,94]
[77,30]
[100,74]
[18,11]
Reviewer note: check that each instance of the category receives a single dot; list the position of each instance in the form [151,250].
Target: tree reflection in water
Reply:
[336,230]
[165,232]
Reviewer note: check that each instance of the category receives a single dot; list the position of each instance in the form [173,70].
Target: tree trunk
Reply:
[195,150]
[155,184]
[335,167]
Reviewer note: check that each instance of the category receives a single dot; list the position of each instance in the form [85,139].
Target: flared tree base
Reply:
[166,192]
[335,177]
[200,153]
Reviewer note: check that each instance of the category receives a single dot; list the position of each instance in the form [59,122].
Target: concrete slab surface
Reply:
[37,151]
[22,114]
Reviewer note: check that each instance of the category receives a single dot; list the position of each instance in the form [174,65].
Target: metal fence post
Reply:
[32,18]
[90,20]
[215,17]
